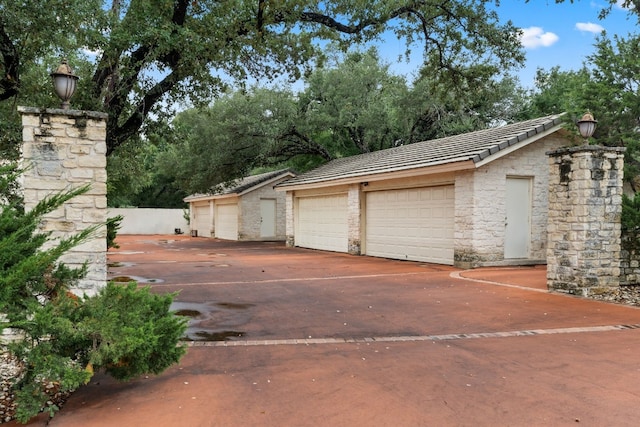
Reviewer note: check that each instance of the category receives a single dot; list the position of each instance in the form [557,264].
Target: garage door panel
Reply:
[202,220]
[411,224]
[322,223]
[227,222]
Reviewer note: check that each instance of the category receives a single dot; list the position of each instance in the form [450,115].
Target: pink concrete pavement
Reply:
[333,339]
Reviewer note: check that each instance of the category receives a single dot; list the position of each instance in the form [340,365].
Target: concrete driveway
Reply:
[323,339]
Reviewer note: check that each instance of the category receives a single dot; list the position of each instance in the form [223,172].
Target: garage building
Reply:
[468,200]
[249,209]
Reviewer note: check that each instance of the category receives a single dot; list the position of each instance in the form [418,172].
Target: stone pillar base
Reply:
[584,232]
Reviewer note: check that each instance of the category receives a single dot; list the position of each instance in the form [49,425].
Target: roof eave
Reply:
[196,198]
[267,182]
[514,144]
[380,176]
[208,197]
[205,197]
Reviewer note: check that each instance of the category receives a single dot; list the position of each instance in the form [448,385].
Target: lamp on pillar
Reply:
[587,125]
[64,83]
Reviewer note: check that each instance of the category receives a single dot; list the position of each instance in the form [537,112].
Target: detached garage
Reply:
[249,209]
[468,200]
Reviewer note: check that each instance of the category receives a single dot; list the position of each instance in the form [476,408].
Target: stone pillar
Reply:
[353,219]
[289,220]
[62,150]
[583,233]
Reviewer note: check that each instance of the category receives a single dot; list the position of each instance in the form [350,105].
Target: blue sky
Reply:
[554,34]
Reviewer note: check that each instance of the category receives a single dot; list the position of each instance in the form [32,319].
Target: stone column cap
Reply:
[585,149]
[60,112]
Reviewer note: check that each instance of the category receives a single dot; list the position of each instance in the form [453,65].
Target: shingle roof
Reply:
[243,185]
[250,182]
[474,146]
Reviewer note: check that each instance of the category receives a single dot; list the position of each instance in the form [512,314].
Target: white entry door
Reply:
[517,236]
[267,218]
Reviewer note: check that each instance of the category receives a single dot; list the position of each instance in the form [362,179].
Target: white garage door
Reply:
[202,220]
[322,223]
[227,222]
[412,224]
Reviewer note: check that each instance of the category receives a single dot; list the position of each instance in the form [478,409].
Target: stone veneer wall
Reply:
[354,220]
[66,149]
[250,216]
[585,206]
[289,219]
[480,206]
[630,260]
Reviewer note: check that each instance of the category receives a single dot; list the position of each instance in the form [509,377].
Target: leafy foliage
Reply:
[113,225]
[630,221]
[63,338]
[631,214]
[147,54]
[352,105]
[607,87]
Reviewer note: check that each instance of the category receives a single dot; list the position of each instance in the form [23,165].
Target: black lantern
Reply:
[64,83]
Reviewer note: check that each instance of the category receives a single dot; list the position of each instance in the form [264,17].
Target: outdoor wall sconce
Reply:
[64,83]
[587,125]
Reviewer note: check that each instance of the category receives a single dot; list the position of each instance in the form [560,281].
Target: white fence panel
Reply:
[150,221]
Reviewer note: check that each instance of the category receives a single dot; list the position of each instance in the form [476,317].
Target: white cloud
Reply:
[91,53]
[589,27]
[534,37]
[620,4]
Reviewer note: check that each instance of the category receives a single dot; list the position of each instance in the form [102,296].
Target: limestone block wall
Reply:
[481,205]
[289,219]
[354,218]
[66,149]
[250,215]
[584,233]
[630,260]
[465,254]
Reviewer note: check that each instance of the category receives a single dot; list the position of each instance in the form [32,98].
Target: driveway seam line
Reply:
[281,280]
[457,275]
[413,338]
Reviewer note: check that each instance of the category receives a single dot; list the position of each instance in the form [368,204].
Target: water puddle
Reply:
[120,264]
[212,321]
[234,305]
[127,279]
[215,336]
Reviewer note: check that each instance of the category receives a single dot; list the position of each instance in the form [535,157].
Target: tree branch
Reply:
[10,79]
[116,135]
[309,147]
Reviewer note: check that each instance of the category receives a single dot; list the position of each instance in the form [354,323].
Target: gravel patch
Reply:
[10,371]
[627,294]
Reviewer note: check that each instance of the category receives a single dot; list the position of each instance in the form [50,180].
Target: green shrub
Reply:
[630,221]
[125,330]
[113,225]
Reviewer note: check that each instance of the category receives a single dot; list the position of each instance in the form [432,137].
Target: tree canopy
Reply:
[350,106]
[153,53]
[608,87]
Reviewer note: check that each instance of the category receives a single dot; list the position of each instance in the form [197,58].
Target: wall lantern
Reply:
[587,125]
[64,83]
